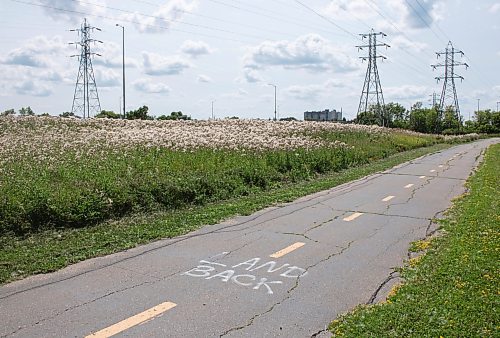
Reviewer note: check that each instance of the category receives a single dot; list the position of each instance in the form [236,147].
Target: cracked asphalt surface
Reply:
[341,248]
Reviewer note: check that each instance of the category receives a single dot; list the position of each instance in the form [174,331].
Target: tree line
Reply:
[430,120]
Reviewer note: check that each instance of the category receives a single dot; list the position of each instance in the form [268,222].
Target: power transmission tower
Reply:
[435,100]
[449,93]
[372,96]
[86,98]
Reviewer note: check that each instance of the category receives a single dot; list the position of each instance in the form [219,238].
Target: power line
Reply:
[274,18]
[129,21]
[424,21]
[327,19]
[165,20]
[216,19]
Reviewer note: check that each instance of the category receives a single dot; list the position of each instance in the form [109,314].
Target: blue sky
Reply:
[184,54]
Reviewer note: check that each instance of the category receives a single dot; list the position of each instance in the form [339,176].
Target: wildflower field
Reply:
[69,173]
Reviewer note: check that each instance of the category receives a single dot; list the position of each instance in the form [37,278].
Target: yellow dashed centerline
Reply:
[422,177]
[287,250]
[441,166]
[133,321]
[409,185]
[432,170]
[388,198]
[353,216]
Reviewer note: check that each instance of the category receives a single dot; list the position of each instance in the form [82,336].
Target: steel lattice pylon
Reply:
[449,92]
[86,97]
[372,95]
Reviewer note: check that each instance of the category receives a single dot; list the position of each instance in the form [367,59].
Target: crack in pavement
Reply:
[297,234]
[314,335]
[288,293]
[392,275]
[57,314]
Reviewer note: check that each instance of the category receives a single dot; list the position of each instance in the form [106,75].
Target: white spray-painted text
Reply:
[239,273]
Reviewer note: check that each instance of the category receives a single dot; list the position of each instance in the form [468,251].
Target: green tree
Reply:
[8,112]
[26,111]
[368,118]
[139,114]
[486,121]
[67,114]
[451,121]
[433,121]
[175,115]
[108,114]
[418,120]
[397,115]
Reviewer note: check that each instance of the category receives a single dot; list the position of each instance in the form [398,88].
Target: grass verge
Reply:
[453,290]
[52,250]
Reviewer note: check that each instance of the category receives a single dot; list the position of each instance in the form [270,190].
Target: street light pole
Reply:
[123,65]
[274,99]
[213,117]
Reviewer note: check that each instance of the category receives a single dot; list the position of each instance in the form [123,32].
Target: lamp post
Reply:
[274,99]
[123,66]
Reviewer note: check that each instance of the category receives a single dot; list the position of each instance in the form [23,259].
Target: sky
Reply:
[184,55]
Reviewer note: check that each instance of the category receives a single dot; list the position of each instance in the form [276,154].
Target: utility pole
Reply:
[372,95]
[449,92]
[274,99]
[86,98]
[213,116]
[123,65]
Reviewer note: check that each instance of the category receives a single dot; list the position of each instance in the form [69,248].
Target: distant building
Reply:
[326,115]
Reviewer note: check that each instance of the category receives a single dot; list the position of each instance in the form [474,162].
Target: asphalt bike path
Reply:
[284,271]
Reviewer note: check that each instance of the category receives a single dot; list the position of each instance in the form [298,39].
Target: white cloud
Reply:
[357,8]
[494,8]
[112,56]
[155,64]
[107,78]
[401,42]
[149,87]
[406,92]
[38,52]
[163,18]
[195,48]
[32,88]
[313,91]
[251,76]
[73,11]
[203,79]
[310,52]
[235,95]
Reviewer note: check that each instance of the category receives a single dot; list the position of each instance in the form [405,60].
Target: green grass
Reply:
[453,289]
[49,250]
[71,188]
